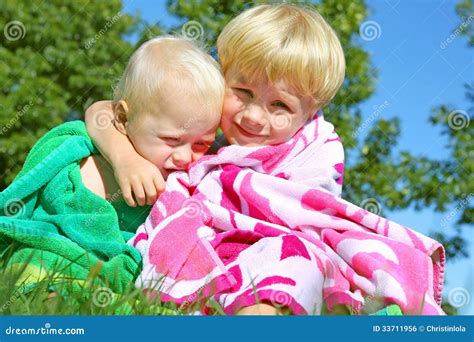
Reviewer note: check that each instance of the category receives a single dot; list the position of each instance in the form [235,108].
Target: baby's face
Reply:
[177,134]
[262,113]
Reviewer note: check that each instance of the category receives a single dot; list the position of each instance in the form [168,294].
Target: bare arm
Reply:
[136,176]
[99,122]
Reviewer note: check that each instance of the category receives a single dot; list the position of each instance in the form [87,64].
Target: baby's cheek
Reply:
[158,154]
[228,113]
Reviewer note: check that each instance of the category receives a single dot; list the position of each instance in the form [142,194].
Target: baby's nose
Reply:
[182,157]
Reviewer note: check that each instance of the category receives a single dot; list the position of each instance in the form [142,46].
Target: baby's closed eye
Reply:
[171,140]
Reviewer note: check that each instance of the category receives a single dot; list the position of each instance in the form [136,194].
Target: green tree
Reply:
[56,57]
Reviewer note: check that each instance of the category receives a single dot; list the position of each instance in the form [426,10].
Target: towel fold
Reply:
[58,224]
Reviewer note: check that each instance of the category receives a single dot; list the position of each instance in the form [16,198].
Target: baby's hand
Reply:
[139,180]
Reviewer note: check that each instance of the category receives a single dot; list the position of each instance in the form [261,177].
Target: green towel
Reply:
[58,223]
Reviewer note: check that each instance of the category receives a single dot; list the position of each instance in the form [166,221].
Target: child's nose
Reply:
[182,157]
[255,117]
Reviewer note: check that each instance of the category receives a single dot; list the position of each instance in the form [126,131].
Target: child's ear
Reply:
[120,116]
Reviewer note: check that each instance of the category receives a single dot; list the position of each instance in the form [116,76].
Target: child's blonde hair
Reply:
[173,60]
[286,42]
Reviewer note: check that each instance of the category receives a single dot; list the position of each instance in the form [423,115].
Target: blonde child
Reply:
[166,108]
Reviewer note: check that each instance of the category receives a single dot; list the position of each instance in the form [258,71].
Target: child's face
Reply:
[262,113]
[177,134]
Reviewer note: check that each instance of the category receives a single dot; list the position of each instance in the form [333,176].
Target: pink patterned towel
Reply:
[268,224]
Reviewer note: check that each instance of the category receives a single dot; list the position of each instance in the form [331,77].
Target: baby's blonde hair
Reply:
[286,42]
[173,60]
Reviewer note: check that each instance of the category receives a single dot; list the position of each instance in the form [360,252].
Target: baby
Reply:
[166,107]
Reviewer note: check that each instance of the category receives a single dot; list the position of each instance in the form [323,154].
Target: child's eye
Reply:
[247,92]
[281,105]
[171,140]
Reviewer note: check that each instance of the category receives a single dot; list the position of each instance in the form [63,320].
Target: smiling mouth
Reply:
[247,133]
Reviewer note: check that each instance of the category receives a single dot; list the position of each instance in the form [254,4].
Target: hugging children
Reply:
[260,227]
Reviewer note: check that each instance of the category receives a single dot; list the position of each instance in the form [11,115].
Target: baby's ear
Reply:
[120,116]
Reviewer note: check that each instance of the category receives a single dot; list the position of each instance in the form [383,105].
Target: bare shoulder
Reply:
[97,175]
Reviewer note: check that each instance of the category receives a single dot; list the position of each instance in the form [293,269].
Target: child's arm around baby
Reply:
[134,174]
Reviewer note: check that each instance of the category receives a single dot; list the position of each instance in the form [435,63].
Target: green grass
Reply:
[65,296]
[57,294]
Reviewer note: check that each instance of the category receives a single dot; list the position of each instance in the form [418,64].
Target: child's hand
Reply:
[140,181]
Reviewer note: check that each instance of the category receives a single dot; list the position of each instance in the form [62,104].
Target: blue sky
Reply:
[415,75]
